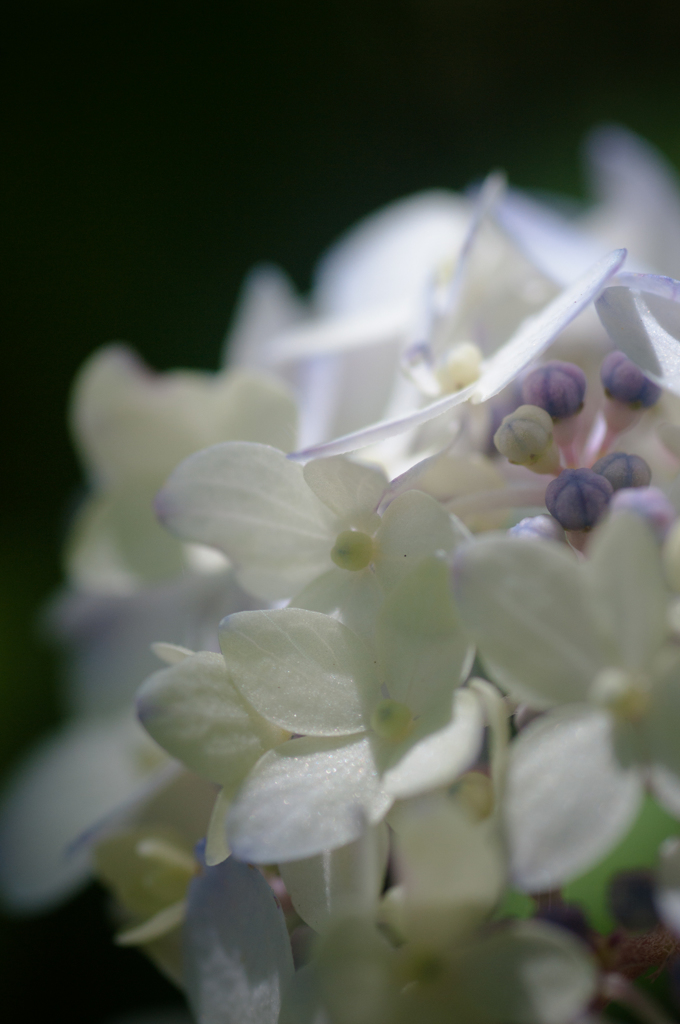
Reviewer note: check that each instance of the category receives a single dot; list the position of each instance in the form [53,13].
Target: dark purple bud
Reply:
[538,528]
[623,470]
[577,498]
[556,387]
[568,916]
[631,900]
[648,502]
[625,382]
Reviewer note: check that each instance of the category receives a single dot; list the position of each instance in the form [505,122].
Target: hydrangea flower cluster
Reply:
[372,637]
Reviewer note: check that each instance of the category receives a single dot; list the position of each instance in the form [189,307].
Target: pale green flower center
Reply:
[625,694]
[392,720]
[462,367]
[353,550]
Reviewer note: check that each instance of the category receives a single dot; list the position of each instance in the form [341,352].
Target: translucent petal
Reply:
[68,782]
[541,975]
[352,597]
[355,973]
[237,956]
[452,869]
[338,334]
[624,564]
[413,526]
[442,756]
[216,846]
[252,503]
[422,649]
[339,882]
[266,306]
[531,338]
[527,606]
[568,801]
[307,796]
[132,424]
[350,490]
[302,670]
[195,712]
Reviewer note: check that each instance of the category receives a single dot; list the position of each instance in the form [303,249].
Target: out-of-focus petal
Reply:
[350,490]
[196,713]
[252,503]
[668,883]
[527,606]
[307,796]
[352,597]
[338,882]
[302,670]
[568,800]
[237,956]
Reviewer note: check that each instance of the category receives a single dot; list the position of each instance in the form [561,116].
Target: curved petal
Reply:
[352,597]
[302,670]
[526,605]
[413,526]
[541,975]
[253,504]
[69,782]
[568,801]
[195,712]
[438,759]
[237,956]
[350,490]
[339,882]
[307,796]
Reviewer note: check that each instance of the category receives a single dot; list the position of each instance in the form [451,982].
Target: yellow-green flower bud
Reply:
[525,437]
[392,720]
[461,367]
[353,550]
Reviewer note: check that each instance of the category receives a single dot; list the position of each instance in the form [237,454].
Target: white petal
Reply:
[196,713]
[106,638]
[307,796]
[413,526]
[216,846]
[337,334]
[540,975]
[352,597]
[527,606]
[441,757]
[252,503]
[663,728]
[350,490]
[237,956]
[568,801]
[67,783]
[630,313]
[624,564]
[301,669]
[339,882]
[668,883]
[532,337]
[267,305]
[452,869]
[423,651]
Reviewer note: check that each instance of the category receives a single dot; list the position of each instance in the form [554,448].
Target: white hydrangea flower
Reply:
[589,640]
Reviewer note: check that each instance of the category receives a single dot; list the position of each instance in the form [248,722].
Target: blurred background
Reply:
[153,152]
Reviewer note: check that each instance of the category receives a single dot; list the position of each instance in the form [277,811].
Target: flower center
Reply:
[462,367]
[392,720]
[353,550]
[625,694]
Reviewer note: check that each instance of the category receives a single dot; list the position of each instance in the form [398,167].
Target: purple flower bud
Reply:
[625,382]
[623,470]
[568,916]
[556,387]
[648,502]
[538,528]
[577,498]
[631,900]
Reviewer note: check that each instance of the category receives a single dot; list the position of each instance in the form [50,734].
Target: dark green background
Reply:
[154,152]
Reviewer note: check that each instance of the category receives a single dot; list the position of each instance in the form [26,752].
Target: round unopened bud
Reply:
[392,720]
[623,470]
[353,550]
[462,366]
[631,900]
[524,435]
[538,528]
[556,387]
[650,503]
[577,498]
[625,382]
